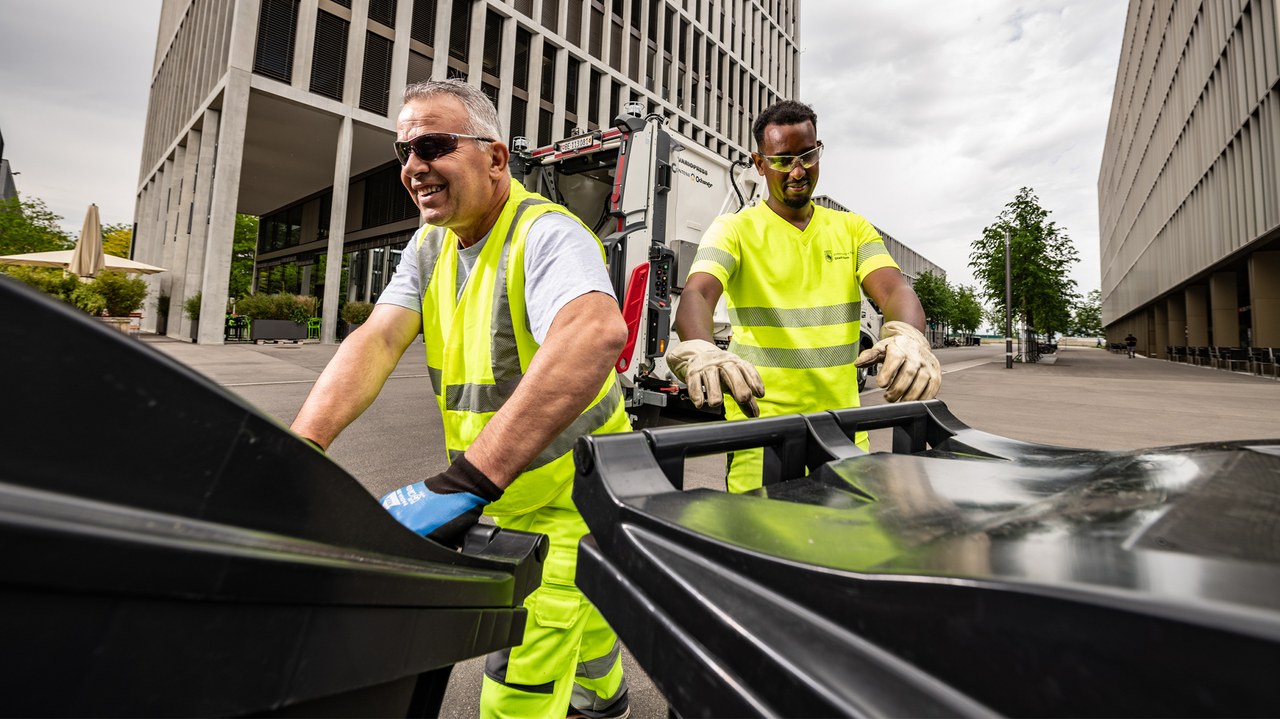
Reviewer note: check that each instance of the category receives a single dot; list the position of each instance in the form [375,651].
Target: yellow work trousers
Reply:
[569,654]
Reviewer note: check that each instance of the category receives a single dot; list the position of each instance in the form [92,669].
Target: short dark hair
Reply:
[783,112]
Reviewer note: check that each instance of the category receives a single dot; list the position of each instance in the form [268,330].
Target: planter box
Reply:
[277,330]
[119,323]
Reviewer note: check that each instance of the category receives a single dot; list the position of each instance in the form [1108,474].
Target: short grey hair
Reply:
[482,116]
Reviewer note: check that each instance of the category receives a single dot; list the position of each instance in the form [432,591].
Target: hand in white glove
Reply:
[704,368]
[910,370]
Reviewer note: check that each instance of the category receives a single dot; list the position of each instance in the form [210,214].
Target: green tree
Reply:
[30,226]
[243,250]
[1087,320]
[967,313]
[936,297]
[1041,257]
[116,239]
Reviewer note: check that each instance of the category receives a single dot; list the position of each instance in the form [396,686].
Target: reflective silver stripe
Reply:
[871,249]
[716,255]
[583,698]
[504,353]
[599,668]
[428,255]
[807,358]
[433,373]
[479,397]
[798,317]
[586,423]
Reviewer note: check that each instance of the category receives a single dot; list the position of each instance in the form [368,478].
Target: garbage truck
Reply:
[649,193]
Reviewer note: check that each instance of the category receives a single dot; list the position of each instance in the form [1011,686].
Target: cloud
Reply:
[934,114]
[75,76]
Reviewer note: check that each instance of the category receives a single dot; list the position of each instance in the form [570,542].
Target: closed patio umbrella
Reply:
[88,258]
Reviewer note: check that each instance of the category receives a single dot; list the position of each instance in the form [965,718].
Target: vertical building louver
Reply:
[329,67]
[383,11]
[460,30]
[375,82]
[423,28]
[277,23]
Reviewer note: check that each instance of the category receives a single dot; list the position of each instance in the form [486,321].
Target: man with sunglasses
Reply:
[793,274]
[521,328]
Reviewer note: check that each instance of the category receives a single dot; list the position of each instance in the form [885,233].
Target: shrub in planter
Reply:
[279,316]
[46,279]
[123,294]
[88,298]
[356,312]
[191,308]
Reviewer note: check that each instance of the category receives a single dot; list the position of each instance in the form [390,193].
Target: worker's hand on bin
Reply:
[910,370]
[445,506]
[706,369]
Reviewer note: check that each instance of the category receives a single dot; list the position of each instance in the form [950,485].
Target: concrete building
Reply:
[1188,200]
[285,109]
[912,263]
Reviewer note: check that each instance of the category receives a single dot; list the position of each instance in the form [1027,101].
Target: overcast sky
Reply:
[934,113]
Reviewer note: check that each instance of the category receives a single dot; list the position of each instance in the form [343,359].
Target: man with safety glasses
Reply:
[793,274]
[521,328]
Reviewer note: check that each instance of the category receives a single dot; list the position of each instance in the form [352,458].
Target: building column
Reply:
[354,76]
[222,207]
[1162,330]
[337,233]
[1197,316]
[186,225]
[440,61]
[1176,305]
[1225,320]
[1264,298]
[186,283]
[400,53]
[304,46]
[560,92]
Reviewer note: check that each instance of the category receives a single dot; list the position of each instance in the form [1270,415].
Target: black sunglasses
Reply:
[432,146]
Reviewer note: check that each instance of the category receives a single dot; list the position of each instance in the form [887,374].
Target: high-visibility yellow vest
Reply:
[795,302]
[479,346]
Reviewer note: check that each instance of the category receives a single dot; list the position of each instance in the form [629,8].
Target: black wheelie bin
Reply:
[235,571]
[961,574]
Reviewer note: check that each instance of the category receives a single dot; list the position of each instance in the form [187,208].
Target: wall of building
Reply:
[1187,191]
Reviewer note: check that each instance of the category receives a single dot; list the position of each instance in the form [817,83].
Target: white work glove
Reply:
[910,370]
[704,368]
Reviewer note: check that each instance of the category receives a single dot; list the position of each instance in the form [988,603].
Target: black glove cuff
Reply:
[462,476]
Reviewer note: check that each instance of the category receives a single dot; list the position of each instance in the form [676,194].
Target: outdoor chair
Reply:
[313,328]
[1232,357]
[1198,355]
[1262,358]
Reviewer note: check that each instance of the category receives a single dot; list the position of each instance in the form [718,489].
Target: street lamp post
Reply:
[1008,309]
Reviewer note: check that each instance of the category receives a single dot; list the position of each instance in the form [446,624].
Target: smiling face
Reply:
[788,191]
[464,190]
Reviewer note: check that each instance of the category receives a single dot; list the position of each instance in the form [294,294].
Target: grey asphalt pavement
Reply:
[1085,398]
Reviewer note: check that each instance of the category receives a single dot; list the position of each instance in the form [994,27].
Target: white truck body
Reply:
[649,193]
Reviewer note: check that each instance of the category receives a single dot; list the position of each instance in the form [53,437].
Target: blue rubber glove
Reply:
[445,506]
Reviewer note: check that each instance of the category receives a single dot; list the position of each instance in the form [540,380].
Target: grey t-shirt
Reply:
[561,263]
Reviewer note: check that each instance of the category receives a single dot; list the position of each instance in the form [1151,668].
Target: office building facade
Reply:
[1188,200]
[285,110]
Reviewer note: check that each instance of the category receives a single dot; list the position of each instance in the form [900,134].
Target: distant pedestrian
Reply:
[1130,342]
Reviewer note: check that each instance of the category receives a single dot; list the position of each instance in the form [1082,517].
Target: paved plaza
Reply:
[1085,398]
